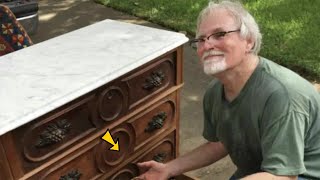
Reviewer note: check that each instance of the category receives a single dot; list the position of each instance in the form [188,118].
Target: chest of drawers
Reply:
[62,96]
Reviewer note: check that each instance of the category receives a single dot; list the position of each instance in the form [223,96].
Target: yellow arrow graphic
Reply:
[107,137]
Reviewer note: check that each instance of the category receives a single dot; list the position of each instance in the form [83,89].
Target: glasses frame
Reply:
[216,35]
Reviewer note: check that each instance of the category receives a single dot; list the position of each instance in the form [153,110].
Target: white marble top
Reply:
[42,77]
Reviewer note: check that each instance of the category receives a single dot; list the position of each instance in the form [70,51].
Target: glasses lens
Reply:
[216,36]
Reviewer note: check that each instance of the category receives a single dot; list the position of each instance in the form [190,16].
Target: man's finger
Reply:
[147,164]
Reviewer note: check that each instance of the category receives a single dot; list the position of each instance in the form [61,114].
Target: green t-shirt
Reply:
[273,125]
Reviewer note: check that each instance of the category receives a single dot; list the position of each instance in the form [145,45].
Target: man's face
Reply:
[224,52]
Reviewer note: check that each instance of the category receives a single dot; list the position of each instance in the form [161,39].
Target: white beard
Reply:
[214,65]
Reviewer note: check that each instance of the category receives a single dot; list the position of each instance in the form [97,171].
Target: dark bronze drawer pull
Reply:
[160,157]
[155,80]
[53,133]
[73,175]
[156,122]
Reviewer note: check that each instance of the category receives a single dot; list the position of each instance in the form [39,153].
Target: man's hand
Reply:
[153,171]
[203,155]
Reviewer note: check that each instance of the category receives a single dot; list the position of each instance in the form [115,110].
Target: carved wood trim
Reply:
[154,80]
[167,105]
[169,139]
[106,160]
[159,65]
[35,141]
[61,111]
[156,122]
[114,100]
[43,175]
[128,172]
[134,158]
[160,157]
[53,133]
[72,175]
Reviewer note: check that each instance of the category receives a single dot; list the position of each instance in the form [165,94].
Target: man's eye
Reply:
[219,34]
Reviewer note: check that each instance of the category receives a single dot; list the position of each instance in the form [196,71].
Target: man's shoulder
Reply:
[276,78]
[281,76]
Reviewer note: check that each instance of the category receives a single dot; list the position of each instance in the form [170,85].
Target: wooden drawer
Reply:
[50,135]
[151,80]
[122,96]
[155,120]
[163,151]
[92,160]
[127,173]
[95,161]
[78,164]
[75,123]
[133,136]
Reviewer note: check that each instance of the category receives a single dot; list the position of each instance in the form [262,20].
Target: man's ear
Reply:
[250,45]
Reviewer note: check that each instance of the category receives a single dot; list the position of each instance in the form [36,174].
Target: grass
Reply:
[290,28]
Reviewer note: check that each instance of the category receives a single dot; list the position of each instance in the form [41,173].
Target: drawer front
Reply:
[151,80]
[127,173]
[163,151]
[122,96]
[49,136]
[92,160]
[154,121]
[78,165]
[107,160]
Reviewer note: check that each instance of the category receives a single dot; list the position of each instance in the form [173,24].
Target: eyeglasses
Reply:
[195,43]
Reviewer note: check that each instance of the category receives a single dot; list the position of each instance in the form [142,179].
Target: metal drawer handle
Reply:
[73,175]
[155,80]
[53,133]
[156,122]
[160,157]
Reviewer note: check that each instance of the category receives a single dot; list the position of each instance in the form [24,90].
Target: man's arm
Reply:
[204,155]
[267,176]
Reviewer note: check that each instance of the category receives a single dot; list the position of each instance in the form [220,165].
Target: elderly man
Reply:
[266,117]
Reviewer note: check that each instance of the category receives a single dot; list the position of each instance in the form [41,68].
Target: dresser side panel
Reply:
[4,165]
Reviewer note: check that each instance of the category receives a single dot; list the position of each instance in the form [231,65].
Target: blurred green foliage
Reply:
[290,28]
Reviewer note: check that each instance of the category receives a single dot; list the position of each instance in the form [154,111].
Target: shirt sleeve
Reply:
[282,136]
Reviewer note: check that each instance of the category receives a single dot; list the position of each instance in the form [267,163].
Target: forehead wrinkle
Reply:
[229,20]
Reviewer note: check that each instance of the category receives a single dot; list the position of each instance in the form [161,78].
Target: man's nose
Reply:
[208,45]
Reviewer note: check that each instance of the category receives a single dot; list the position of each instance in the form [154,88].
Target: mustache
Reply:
[211,53]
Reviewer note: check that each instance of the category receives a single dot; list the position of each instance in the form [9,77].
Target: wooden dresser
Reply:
[59,97]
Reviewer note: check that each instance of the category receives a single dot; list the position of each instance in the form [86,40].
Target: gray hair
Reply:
[249,29]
